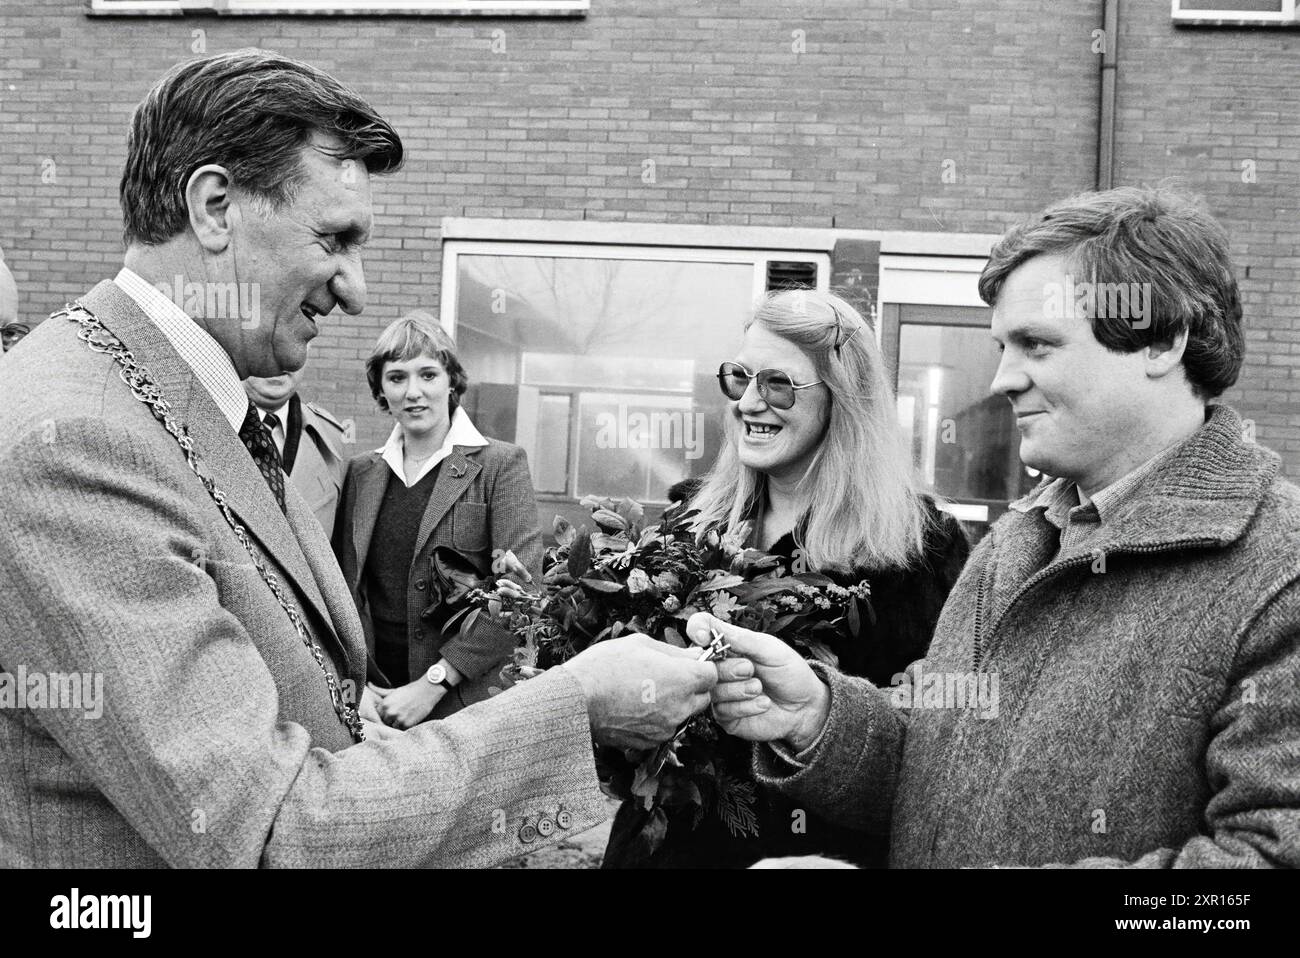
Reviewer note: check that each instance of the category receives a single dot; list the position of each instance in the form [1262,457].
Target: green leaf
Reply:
[721,582]
[602,585]
[601,542]
[563,531]
[610,520]
[655,830]
[644,783]
[814,579]
[736,806]
[854,620]
[752,591]
[822,652]
[580,555]
[632,511]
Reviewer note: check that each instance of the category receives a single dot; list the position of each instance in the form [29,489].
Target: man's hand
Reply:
[368,708]
[639,691]
[766,692]
[378,732]
[407,705]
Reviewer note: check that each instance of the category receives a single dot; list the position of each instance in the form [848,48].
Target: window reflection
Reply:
[964,440]
[602,369]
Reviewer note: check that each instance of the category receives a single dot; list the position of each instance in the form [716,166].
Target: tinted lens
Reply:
[733,380]
[776,388]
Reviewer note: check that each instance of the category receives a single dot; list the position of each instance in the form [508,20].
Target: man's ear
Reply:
[1164,357]
[207,200]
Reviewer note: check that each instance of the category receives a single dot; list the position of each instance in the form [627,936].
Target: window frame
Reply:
[339,8]
[1286,17]
[931,280]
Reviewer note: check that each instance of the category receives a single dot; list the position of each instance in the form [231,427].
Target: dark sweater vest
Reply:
[388,568]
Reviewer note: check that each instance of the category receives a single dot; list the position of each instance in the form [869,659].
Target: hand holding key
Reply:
[766,691]
[640,691]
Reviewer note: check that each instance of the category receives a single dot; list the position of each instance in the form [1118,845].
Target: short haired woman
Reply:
[815,459]
[436,482]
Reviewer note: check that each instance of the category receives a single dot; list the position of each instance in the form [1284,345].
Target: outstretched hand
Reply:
[639,691]
[766,691]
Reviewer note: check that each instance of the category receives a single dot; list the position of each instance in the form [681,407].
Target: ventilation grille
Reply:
[788,275]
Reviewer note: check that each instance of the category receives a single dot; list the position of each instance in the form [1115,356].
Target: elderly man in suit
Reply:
[309,440]
[151,547]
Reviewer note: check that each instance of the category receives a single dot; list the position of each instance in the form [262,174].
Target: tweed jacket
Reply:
[1148,706]
[482,501]
[321,464]
[217,744]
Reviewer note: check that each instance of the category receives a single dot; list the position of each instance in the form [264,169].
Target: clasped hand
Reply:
[639,691]
[403,707]
[765,692]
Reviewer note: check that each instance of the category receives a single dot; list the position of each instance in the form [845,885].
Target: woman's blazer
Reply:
[482,501]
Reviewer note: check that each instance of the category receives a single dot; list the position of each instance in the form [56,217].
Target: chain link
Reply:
[140,381]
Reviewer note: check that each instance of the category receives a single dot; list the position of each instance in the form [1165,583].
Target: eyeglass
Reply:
[11,333]
[775,388]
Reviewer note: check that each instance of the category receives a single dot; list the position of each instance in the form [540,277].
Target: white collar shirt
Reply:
[278,432]
[198,350]
[461,433]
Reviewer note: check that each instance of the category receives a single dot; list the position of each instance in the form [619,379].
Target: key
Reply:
[713,652]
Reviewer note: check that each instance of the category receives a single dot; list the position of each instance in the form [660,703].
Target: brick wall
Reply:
[920,115]
[1218,111]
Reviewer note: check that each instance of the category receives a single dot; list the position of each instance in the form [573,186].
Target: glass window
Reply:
[603,368]
[551,461]
[364,8]
[1234,12]
[964,439]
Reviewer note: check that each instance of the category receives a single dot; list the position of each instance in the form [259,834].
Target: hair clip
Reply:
[839,328]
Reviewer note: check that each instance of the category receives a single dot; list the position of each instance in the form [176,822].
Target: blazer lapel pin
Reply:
[457,471]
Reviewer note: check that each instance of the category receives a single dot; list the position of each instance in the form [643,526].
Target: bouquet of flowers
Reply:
[627,577]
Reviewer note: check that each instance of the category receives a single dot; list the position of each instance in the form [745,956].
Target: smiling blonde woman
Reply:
[815,462]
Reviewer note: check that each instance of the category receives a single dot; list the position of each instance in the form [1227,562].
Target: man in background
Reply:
[309,439]
[11,330]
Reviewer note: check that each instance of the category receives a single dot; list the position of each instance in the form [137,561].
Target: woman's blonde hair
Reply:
[865,507]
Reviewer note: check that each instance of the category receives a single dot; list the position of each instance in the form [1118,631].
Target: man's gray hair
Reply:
[250,111]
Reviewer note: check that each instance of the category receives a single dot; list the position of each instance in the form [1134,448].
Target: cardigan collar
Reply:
[1205,490]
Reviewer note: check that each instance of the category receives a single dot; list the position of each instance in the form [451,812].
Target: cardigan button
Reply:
[546,828]
[528,834]
[419,585]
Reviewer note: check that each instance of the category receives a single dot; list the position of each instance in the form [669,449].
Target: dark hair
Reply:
[1162,240]
[250,111]
[416,334]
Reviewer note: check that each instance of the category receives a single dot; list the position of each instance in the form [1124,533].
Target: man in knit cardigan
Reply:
[1115,679]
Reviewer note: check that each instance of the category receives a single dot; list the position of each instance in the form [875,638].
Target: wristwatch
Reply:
[437,675]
